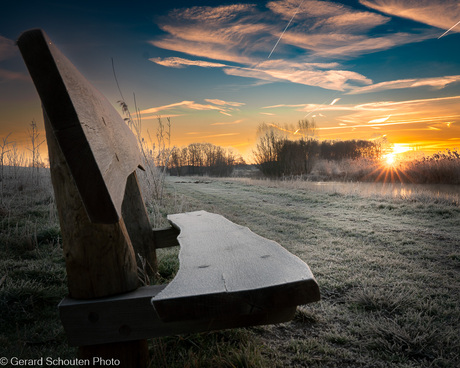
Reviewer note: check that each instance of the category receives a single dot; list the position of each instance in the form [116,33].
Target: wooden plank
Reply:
[165,238]
[100,260]
[87,127]
[224,267]
[131,317]
[138,225]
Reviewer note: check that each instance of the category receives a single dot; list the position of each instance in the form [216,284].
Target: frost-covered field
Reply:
[387,260]
[388,266]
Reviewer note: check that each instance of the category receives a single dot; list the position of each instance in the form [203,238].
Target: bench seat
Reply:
[228,277]
[220,262]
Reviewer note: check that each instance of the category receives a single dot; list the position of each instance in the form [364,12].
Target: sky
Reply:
[363,69]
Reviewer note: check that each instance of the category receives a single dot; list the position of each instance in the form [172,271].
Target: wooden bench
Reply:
[228,276]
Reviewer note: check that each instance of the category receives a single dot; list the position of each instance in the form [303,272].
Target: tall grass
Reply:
[155,154]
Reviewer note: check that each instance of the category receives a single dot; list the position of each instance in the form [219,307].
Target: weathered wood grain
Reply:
[131,316]
[138,225]
[225,268]
[166,237]
[100,260]
[87,127]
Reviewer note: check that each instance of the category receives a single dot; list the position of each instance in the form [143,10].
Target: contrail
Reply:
[455,25]
[282,34]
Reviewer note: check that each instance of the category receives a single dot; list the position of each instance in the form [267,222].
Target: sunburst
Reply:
[390,170]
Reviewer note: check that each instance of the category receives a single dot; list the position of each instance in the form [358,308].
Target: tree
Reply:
[306,128]
[34,136]
[3,151]
[267,150]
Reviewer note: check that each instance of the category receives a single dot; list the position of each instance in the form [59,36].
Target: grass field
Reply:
[388,266]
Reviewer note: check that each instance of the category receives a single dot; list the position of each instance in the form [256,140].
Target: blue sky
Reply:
[361,69]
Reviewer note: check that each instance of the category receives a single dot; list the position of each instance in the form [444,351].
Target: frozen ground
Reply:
[388,266]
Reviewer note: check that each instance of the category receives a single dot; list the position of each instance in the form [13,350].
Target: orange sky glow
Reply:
[360,70]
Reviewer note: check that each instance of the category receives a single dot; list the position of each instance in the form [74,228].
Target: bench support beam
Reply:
[131,316]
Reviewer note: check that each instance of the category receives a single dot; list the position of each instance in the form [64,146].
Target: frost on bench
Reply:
[226,269]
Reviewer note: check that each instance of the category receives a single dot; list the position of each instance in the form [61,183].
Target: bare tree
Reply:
[307,129]
[3,150]
[15,159]
[34,136]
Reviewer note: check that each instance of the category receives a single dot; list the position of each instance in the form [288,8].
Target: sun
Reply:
[390,169]
[390,159]
[398,148]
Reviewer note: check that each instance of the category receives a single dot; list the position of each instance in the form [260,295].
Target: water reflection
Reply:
[447,192]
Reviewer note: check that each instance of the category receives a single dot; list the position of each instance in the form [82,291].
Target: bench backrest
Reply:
[93,157]
[100,149]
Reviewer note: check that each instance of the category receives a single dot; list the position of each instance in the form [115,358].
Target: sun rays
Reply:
[390,169]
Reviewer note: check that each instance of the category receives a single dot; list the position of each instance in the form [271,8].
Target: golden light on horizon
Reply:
[396,150]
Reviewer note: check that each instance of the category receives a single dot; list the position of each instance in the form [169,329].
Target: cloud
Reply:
[441,14]
[343,45]
[224,107]
[379,120]
[177,62]
[437,83]
[212,51]
[324,16]
[229,123]
[9,75]
[244,34]
[224,103]
[371,112]
[226,32]
[7,48]
[187,104]
[229,32]
[388,105]
[328,79]
[219,135]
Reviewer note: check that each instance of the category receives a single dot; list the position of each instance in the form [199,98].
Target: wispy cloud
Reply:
[225,113]
[224,107]
[224,103]
[7,48]
[8,75]
[177,62]
[186,104]
[239,121]
[219,135]
[437,83]
[441,14]
[306,75]
[243,33]
[378,114]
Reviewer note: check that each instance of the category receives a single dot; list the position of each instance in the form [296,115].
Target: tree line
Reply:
[276,155]
[203,159]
